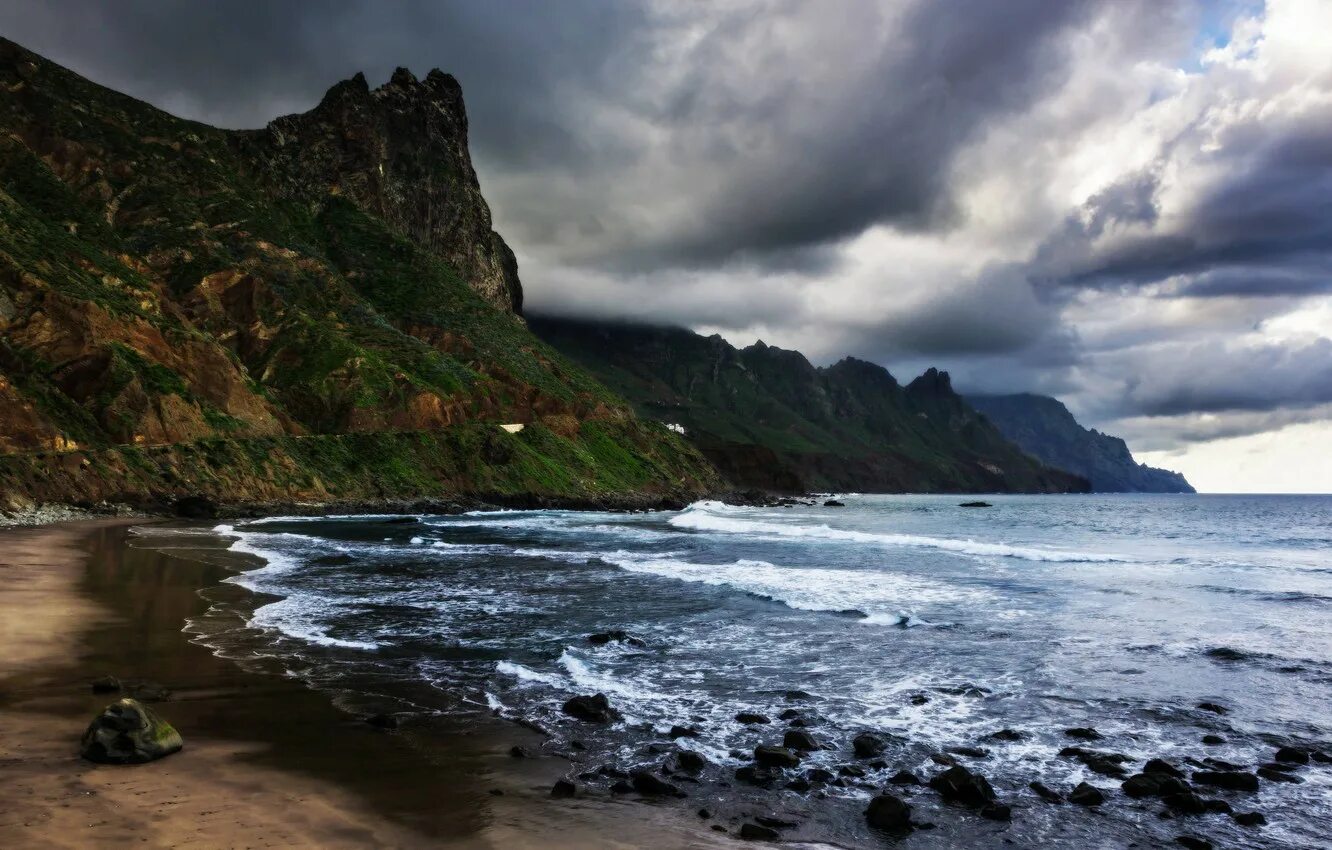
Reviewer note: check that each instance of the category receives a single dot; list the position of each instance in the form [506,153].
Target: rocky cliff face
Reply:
[768,418]
[163,282]
[399,153]
[1044,427]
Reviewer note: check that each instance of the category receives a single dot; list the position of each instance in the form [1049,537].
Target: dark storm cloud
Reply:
[1263,228]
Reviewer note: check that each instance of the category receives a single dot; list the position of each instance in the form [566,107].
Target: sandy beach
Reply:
[267,762]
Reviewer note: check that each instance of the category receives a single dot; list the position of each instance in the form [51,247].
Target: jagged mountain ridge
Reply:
[767,417]
[1044,427]
[164,283]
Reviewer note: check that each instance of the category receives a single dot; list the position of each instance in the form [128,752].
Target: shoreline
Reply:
[268,761]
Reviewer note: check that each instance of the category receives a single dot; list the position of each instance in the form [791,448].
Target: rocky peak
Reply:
[398,152]
[932,382]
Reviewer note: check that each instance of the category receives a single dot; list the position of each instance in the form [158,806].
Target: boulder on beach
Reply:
[867,745]
[649,784]
[1292,755]
[750,718]
[769,756]
[960,785]
[591,709]
[1086,795]
[797,739]
[889,813]
[1046,793]
[106,685]
[1234,780]
[129,732]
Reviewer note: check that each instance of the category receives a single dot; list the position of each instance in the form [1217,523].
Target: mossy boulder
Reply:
[129,732]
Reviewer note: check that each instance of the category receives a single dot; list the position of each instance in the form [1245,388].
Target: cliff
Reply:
[241,305]
[768,418]
[1044,427]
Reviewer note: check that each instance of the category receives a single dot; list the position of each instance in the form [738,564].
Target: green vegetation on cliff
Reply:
[768,418]
[245,304]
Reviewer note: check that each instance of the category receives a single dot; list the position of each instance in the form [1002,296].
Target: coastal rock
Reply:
[1046,793]
[750,718]
[970,752]
[766,755]
[997,811]
[690,762]
[682,732]
[591,709]
[1106,764]
[975,505]
[889,813]
[1292,755]
[129,732]
[904,777]
[1214,708]
[649,784]
[1154,785]
[1249,818]
[106,685]
[833,503]
[1192,843]
[563,788]
[868,745]
[757,832]
[957,784]
[1162,766]
[796,739]
[616,636]
[1233,780]
[1278,776]
[1086,795]
[1213,740]
[1185,803]
[1083,733]
[1007,735]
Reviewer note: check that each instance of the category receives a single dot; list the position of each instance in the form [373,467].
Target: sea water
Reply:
[931,624]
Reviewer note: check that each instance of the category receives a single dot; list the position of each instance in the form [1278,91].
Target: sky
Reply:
[1126,204]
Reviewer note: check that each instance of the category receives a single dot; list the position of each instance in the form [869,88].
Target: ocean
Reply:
[931,625]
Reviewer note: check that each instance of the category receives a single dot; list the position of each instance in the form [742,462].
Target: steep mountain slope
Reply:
[768,418]
[165,283]
[1043,426]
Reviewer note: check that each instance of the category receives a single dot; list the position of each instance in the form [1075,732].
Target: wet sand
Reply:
[268,762]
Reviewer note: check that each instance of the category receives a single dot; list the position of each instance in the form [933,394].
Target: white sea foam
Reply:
[718,518]
[527,674]
[298,617]
[875,594]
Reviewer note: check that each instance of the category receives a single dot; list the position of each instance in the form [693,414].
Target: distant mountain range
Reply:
[1043,426]
[769,419]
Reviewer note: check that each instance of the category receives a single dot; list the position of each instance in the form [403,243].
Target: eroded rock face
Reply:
[129,732]
[400,153]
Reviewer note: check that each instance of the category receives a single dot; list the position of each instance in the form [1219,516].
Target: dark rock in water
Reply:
[382,721]
[1278,776]
[1225,653]
[904,777]
[1234,780]
[704,813]
[1162,766]
[1083,733]
[621,787]
[519,752]
[1046,793]
[889,813]
[919,699]
[106,685]
[1007,735]
[1193,843]
[797,695]
[997,811]
[129,732]
[1154,785]
[617,635]
[854,771]
[1213,707]
[800,723]
[800,785]
[563,788]
[867,745]
[1106,764]
[682,732]
[649,784]
[760,776]
[690,762]
[767,755]
[833,503]
[1321,757]
[1292,755]
[577,745]
[1219,807]
[970,752]
[611,771]
[962,786]
[1213,740]
[818,774]
[775,822]
[1185,803]
[402,520]
[975,505]
[796,739]
[1249,818]
[789,714]
[751,717]
[1220,764]
[1086,795]
[716,827]
[1276,765]
[755,832]
[337,560]
[943,759]
[591,709]
[145,691]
